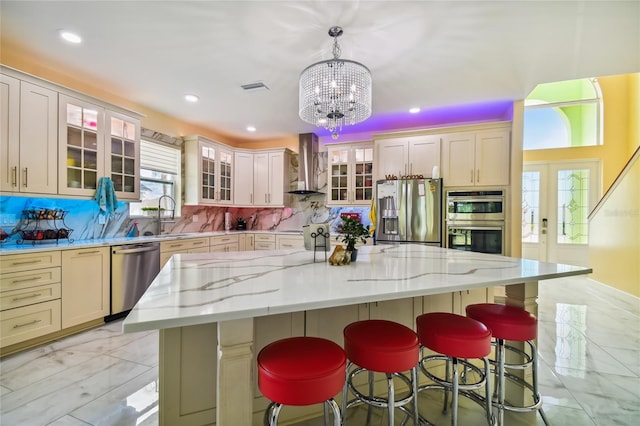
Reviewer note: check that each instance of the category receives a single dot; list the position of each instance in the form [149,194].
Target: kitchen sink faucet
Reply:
[173,210]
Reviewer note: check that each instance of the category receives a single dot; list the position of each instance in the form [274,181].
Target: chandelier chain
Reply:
[336,48]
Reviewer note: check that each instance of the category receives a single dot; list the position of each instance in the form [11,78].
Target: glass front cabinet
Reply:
[95,142]
[350,174]
[81,141]
[208,172]
[123,155]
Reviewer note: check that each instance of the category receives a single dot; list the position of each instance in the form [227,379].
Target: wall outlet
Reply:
[195,217]
[7,219]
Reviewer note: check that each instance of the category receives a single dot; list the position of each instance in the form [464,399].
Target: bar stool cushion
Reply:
[454,335]
[382,346]
[301,370]
[506,322]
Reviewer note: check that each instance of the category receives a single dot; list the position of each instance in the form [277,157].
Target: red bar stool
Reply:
[456,338]
[384,347]
[301,371]
[514,324]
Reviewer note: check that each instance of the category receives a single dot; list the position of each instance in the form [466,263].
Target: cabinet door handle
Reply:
[26,280]
[471,176]
[26,174]
[31,296]
[478,176]
[14,176]
[28,262]
[83,253]
[26,324]
[251,197]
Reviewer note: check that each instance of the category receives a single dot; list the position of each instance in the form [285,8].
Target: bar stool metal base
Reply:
[391,403]
[272,413]
[501,374]
[452,382]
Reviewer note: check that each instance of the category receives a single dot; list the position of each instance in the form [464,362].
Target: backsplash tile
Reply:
[83,217]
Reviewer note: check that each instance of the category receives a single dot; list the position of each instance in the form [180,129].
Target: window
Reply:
[564,114]
[159,175]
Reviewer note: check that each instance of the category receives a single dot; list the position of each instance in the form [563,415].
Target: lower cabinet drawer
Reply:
[259,245]
[29,296]
[265,238]
[20,324]
[32,278]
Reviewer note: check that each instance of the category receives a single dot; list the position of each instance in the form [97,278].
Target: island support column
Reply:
[234,382]
[524,296]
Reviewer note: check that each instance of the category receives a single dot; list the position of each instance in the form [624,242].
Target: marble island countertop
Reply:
[210,287]
[11,247]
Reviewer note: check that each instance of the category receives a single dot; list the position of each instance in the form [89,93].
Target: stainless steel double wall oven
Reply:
[476,221]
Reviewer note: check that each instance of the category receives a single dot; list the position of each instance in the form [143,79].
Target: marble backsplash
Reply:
[84,217]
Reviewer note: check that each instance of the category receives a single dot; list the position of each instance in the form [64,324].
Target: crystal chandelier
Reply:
[336,92]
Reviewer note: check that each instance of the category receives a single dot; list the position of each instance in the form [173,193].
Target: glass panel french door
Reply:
[556,200]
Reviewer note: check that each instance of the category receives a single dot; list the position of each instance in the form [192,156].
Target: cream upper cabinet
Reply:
[208,172]
[56,141]
[28,137]
[478,158]
[350,174]
[243,179]
[271,178]
[123,155]
[95,142]
[81,152]
[406,156]
[86,277]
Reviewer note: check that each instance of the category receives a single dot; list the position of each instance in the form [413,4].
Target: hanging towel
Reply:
[372,217]
[106,196]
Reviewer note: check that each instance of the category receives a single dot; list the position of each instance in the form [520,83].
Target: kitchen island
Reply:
[215,311]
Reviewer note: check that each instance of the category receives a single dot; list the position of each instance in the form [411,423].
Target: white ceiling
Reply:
[421,53]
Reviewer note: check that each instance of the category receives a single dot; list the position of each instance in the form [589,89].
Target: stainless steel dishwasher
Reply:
[133,267]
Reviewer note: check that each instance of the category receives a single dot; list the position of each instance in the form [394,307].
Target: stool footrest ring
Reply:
[375,400]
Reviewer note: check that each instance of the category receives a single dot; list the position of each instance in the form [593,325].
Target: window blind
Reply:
[160,158]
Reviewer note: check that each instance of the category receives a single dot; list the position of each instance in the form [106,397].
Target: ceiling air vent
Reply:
[255,86]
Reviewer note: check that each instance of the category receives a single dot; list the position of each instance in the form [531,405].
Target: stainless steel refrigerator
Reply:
[409,210]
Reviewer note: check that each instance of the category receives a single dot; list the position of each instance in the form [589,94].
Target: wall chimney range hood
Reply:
[307,164]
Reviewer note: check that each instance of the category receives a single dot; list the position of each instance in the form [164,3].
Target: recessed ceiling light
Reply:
[251,129]
[191,98]
[71,37]
[414,110]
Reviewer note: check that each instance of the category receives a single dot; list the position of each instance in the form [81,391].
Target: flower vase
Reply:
[354,254]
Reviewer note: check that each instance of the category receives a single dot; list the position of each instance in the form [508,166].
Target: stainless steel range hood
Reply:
[307,164]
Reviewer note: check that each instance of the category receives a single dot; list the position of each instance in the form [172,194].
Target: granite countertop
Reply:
[11,247]
[209,287]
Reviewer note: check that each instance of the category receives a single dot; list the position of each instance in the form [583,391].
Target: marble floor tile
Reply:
[47,400]
[565,348]
[131,403]
[589,345]
[606,398]
[143,350]
[68,421]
